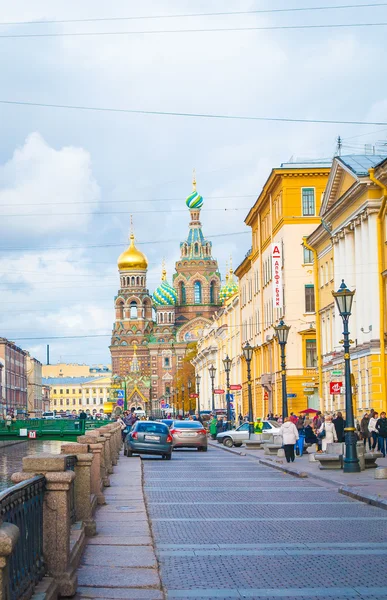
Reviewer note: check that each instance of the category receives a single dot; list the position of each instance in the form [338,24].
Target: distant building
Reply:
[46,398]
[74,394]
[14,377]
[75,370]
[2,398]
[34,387]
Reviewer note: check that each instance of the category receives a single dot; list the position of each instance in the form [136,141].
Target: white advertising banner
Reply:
[276,261]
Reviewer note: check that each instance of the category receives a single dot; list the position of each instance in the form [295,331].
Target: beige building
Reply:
[34,387]
[74,370]
[220,339]
[74,394]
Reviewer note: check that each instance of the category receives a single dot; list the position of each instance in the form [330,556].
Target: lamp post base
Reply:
[351,461]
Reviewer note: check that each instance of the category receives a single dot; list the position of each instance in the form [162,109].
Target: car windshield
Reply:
[243,427]
[274,423]
[187,425]
[152,427]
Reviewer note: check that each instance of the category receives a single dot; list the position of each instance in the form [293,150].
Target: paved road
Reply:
[227,527]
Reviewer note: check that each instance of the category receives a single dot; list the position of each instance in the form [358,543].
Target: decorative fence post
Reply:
[99,476]
[56,517]
[9,534]
[83,500]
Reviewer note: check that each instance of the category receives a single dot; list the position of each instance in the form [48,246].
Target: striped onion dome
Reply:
[194,200]
[165,295]
[230,288]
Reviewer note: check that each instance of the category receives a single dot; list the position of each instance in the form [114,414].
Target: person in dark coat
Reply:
[381,428]
[310,436]
[219,426]
[339,424]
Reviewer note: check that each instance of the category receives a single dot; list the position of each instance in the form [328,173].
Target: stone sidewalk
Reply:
[120,562]
[361,486]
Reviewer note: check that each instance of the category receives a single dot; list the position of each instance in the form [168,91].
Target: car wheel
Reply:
[228,442]
[237,445]
[169,456]
[204,449]
[129,453]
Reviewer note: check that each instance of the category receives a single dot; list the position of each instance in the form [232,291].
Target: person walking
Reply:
[8,421]
[289,433]
[213,428]
[330,433]
[364,431]
[372,429]
[219,425]
[381,428]
[339,424]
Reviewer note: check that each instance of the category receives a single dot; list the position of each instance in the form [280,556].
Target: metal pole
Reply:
[283,376]
[126,400]
[250,396]
[213,393]
[198,393]
[228,400]
[182,401]
[351,461]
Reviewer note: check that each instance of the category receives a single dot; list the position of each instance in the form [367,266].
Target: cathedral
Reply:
[151,333]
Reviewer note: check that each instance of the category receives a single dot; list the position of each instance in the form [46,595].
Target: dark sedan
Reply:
[149,437]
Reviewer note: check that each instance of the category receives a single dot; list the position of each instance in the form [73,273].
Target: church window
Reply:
[183,297]
[167,362]
[132,282]
[212,292]
[196,248]
[169,318]
[133,310]
[197,292]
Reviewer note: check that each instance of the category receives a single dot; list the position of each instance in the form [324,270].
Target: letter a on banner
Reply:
[276,260]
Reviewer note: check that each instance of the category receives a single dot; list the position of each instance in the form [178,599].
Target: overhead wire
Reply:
[197,14]
[122,212]
[191,115]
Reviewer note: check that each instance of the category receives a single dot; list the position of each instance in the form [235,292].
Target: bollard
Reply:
[83,499]
[56,517]
[380,473]
[99,476]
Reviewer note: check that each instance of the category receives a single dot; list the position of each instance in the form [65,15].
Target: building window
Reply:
[101,401]
[308,203]
[67,391]
[308,256]
[55,402]
[100,390]
[167,362]
[183,298]
[61,391]
[94,400]
[311,354]
[61,402]
[54,391]
[212,292]
[73,401]
[197,292]
[133,310]
[309,299]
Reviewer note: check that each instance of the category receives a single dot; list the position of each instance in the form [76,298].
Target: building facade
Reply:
[286,210]
[75,370]
[14,377]
[350,244]
[74,394]
[34,387]
[152,332]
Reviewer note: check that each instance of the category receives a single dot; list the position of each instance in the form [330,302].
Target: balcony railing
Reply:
[22,505]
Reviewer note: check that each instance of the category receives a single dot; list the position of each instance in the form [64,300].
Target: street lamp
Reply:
[227,367]
[212,371]
[198,391]
[248,354]
[344,299]
[189,383]
[182,398]
[282,332]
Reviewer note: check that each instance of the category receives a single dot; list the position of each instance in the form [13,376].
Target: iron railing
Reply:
[71,461]
[22,505]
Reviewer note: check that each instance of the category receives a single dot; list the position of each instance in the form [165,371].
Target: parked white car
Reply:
[236,437]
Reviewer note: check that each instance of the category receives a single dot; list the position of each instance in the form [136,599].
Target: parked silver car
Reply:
[189,434]
[236,437]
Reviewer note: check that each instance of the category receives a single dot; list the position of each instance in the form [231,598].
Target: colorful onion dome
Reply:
[230,288]
[132,259]
[194,200]
[165,295]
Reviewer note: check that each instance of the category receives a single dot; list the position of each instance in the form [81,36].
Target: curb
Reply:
[367,499]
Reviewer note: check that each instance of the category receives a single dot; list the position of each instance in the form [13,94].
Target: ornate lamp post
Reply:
[212,372]
[344,299]
[198,391]
[227,367]
[282,332]
[177,400]
[189,384]
[182,398]
[248,354]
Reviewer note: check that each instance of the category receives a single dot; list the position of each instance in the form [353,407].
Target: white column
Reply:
[364,318]
[339,275]
[358,303]
[373,278]
[350,276]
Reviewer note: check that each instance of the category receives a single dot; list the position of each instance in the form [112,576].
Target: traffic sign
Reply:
[292,395]
[236,386]
[218,391]
[166,405]
[337,373]
[32,435]
[335,387]
[120,394]
[194,395]
[120,402]
[231,405]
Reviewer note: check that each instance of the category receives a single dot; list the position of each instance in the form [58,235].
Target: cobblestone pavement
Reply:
[227,527]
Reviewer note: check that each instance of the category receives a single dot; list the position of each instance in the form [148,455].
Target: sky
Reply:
[69,179]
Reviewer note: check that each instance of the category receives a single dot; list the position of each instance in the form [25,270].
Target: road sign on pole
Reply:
[219,392]
[236,387]
[121,394]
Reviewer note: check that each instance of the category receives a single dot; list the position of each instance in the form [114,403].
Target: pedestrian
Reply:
[199,418]
[364,431]
[258,426]
[213,428]
[8,421]
[339,424]
[327,433]
[219,425]
[318,420]
[310,436]
[289,433]
[240,418]
[381,428]
[372,429]
[82,415]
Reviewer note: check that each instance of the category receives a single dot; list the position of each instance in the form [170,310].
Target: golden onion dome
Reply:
[132,259]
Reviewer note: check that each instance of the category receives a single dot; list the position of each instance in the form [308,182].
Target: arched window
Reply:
[197,292]
[212,292]
[196,248]
[161,317]
[133,281]
[137,281]
[183,298]
[133,310]
[120,310]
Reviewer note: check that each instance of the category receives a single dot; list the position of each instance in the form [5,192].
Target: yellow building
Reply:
[222,338]
[276,282]
[74,394]
[350,244]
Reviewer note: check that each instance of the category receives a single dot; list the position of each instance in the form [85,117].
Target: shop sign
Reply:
[335,387]
[276,261]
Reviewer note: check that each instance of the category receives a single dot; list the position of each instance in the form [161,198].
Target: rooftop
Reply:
[361,163]
[68,380]
[321,163]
